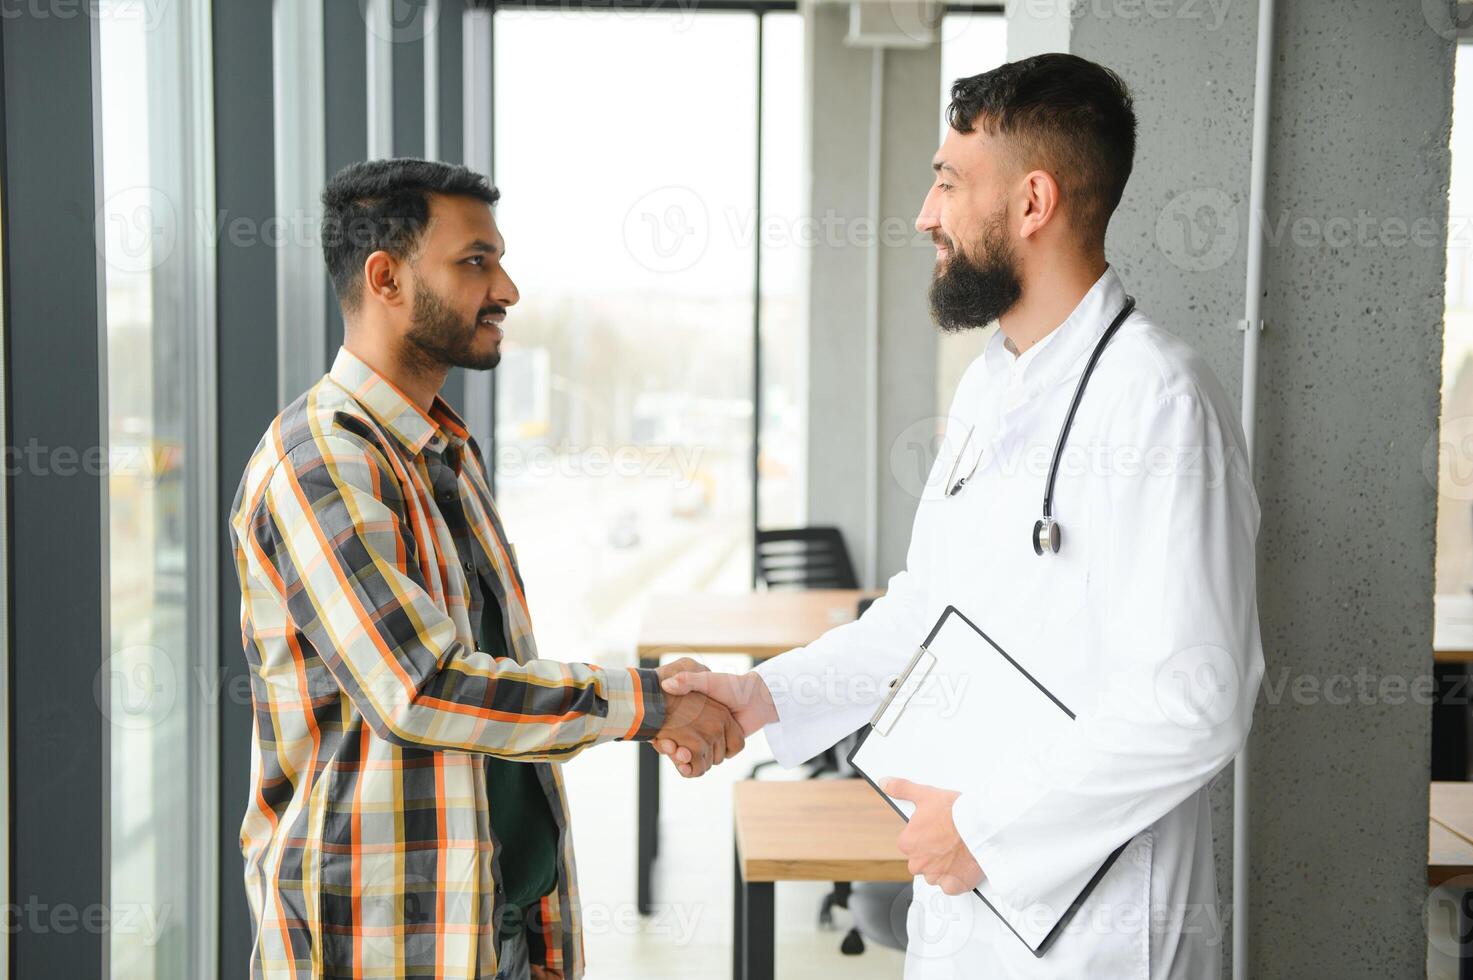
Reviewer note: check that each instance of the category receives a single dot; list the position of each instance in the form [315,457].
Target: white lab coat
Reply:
[1145,624]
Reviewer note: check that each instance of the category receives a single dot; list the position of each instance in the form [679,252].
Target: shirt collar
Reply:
[394,410]
[1060,349]
[1020,361]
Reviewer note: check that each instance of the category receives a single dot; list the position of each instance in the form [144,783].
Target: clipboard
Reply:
[960,693]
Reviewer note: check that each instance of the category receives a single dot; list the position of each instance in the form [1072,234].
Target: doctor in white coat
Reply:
[1145,620]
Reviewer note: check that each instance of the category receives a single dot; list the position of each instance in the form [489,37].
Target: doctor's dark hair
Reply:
[384,205]
[1066,115]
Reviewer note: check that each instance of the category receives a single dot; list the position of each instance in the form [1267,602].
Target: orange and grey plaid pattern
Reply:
[367,837]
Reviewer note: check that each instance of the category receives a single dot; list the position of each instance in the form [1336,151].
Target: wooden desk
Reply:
[1450,859]
[758,624]
[812,830]
[1451,805]
[840,830]
[1448,855]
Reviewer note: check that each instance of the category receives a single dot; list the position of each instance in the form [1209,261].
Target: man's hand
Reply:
[545,973]
[745,695]
[690,755]
[931,841]
[700,730]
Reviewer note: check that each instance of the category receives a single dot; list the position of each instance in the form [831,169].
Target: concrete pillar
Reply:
[1348,401]
[857,252]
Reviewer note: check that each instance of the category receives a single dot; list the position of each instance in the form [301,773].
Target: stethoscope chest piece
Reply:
[1045,536]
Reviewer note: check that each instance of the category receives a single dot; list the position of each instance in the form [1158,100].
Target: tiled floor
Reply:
[689,936]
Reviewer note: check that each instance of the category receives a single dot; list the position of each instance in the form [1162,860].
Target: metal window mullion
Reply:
[478,47]
[246,342]
[202,461]
[379,97]
[55,315]
[757,320]
[431,85]
[444,90]
[450,80]
[408,43]
[345,124]
[297,70]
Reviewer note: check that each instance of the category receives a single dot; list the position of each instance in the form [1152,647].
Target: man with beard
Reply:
[406,818]
[1140,616]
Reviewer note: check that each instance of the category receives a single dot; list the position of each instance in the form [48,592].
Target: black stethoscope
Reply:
[1046,534]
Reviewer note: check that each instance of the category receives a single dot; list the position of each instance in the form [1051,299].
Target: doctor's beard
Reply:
[967,293]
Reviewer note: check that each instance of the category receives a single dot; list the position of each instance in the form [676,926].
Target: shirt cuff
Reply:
[636,704]
[785,736]
[984,837]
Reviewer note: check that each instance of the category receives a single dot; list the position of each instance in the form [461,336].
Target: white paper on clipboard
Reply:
[966,716]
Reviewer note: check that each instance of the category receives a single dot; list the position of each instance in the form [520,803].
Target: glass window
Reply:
[160,508]
[1455,441]
[626,153]
[624,396]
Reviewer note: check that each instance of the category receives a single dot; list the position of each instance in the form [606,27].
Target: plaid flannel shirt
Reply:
[367,837]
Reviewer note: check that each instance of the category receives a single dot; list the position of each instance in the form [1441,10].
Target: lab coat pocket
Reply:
[1116,920]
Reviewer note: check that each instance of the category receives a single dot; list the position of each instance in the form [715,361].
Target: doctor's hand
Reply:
[931,841]
[745,695]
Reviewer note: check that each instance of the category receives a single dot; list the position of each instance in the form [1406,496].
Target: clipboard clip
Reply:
[902,689]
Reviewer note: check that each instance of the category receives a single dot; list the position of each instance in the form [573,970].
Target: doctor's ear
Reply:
[1040,194]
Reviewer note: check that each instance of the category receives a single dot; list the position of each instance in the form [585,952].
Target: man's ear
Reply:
[1040,193]
[381,278]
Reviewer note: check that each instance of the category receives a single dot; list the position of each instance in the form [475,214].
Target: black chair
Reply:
[814,558]
[804,558]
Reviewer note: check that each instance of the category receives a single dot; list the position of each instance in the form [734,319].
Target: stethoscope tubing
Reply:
[1094,357]
[1046,533]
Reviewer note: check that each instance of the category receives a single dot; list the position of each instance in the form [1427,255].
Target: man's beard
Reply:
[439,337]
[967,294]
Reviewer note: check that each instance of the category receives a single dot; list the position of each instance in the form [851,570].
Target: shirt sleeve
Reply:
[1184,664]
[329,534]
[829,689]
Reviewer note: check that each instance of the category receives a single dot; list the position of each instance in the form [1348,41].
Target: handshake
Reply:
[708,716]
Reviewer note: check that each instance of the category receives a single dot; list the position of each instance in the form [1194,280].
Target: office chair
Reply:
[804,558]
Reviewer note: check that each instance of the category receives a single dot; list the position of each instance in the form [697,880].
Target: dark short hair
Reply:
[384,205]
[1069,116]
